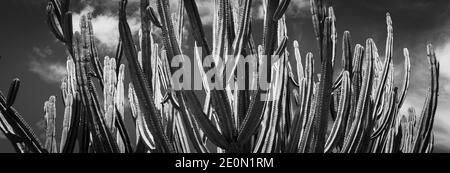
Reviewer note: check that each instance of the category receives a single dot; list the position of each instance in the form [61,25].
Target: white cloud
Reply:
[105,25]
[105,22]
[41,64]
[206,11]
[443,54]
[50,72]
[297,8]
[441,126]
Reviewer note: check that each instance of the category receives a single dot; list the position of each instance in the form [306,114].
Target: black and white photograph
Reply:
[225,76]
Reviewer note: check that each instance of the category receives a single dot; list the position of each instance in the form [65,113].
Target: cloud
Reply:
[105,25]
[48,71]
[206,11]
[42,65]
[443,54]
[442,122]
[296,9]
[43,53]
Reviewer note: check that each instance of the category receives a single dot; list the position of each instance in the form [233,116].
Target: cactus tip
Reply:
[430,49]
[406,52]
[388,19]
[52,99]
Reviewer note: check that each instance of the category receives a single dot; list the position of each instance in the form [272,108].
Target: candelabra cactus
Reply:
[362,103]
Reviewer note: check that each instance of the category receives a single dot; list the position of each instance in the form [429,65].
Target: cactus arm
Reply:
[95,62]
[194,133]
[9,134]
[68,31]
[152,17]
[299,137]
[347,52]
[146,47]
[276,106]
[269,36]
[305,144]
[102,138]
[15,120]
[51,21]
[256,108]
[68,143]
[223,109]
[197,121]
[319,11]
[430,105]
[279,12]
[361,113]
[307,102]
[80,52]
[12,93]
[59,18]
[292,81]
[241,39]
[99,118]
[251,41]
[231,34]
[180,22]
[406,78]
[339,124]
[219,98]
[286,107]
[172,49]
[119,54]
[169,37]
[143,89]
[388,118]
[65,5]
[282,47]
[110,81]
[254,114]
[119,103]
[144,138]
[50,116]
[19,126]
[204,122]
[298,58]
[123,133]
[356,84]
[57,7]
[324,92]
[83,131]
[180,132]
[424,125]
[196,25]
[389,52]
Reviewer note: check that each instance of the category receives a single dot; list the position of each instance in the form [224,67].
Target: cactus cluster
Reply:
[357,112]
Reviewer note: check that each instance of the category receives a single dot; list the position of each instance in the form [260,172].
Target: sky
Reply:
[30,52]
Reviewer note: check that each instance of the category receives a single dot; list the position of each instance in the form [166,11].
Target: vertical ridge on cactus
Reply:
[358,111]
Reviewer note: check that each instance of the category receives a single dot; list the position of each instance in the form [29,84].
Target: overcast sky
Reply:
[30,52]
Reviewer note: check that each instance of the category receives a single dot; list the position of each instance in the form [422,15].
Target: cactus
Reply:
[362,104]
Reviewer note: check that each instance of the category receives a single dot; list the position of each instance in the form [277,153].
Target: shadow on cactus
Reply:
[357,112]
